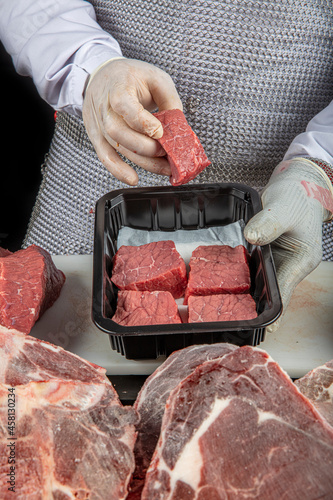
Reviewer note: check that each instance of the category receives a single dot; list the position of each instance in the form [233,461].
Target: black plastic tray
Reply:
[189,207]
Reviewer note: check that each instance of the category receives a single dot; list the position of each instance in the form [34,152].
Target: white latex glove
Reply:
[296,201]
[116,112]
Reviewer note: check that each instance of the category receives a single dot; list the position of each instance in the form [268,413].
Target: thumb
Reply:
[266,226]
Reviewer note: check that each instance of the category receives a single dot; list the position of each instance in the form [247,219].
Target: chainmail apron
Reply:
[250,73]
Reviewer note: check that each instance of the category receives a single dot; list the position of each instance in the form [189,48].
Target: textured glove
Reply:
[116,112]
[296,201]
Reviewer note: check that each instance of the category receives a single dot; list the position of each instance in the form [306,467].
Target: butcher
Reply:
[254,82]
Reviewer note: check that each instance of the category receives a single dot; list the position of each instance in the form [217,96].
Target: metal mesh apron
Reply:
[251,75]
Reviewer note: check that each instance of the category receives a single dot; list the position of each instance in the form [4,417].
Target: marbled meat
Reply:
[185,153]
[317,386]
[29,284]
[221,307]
[218,269]
[238,428]
[151,400]
[145,308]
[72,437]
[150,267]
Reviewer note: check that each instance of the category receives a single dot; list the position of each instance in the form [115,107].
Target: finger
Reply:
[104,150]
[136,117]
[274,326]
[114,164]
[158,166]
[165,95]
[118,130]
[265,226]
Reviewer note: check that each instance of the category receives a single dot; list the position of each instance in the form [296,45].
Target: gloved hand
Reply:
[116,112]
[296,201]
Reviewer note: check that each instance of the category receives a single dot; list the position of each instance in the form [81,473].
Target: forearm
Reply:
[57,43]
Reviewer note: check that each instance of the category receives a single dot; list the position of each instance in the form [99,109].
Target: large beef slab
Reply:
[317,385]
[237,427]
[65,433]
[152,398]
[184,151]
[71,437]
[30,283]
[150,267]
[146,308]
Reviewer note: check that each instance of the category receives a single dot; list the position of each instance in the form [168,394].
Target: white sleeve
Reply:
[317,140]
[58,43]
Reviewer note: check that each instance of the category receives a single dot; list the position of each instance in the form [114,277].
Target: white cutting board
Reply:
[303,341]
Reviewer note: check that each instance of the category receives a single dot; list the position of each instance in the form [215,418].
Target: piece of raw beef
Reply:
[218,269]
[4,252]
[29,284]
[317,385]
[66,434]
[146,308]
[24,359]
[150,267]
[151,400]
[185,153]
[238,428]
[72,437]
[221,307]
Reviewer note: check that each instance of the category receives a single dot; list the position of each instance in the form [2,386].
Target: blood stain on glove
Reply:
[319,193]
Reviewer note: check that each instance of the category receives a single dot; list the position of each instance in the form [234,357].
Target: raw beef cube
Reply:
[69,424]
[317,385]
[146,308]
[218,269]
[151,400]
[221,307]
[184,151]
[29,284]
[150,267]
[238,428]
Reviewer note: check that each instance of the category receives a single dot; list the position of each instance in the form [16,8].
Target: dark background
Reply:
[27,129]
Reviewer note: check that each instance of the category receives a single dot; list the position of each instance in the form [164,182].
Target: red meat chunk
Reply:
[146,308]
[184,151]
[238,428]
[221,307]
[152,399]
[4,252]
[317,386]
[29,284]
[69,424]
[150,267]
[216,269]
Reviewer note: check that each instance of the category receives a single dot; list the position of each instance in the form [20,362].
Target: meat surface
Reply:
[151,400]
[24,359]
[146,308]
[221,307]
[317,385]
[4,252]
[238,428]
[70,427]
[151,267]
[184,151]
[65,433]
[216,269]
[29,284]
